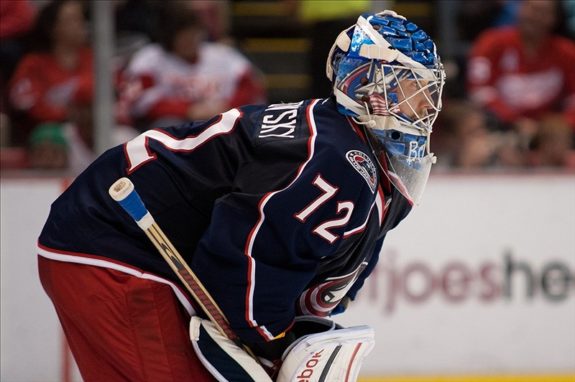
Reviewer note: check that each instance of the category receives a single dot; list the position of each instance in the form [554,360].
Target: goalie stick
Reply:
[124,192]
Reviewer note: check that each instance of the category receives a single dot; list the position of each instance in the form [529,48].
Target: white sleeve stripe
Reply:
[379,203]
[138,151]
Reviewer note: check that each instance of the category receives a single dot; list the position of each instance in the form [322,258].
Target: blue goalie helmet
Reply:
[388,77]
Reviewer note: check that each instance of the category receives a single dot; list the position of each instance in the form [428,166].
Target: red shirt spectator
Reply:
[44,89]
[524,71]
[16,18]
[54,82]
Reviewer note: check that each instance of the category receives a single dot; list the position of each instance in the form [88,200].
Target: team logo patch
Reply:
[362,164]
[321,299]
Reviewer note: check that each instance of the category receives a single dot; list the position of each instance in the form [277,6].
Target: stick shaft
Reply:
[124,193]
[189,279]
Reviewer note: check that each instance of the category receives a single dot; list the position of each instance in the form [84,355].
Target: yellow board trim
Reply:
[474,378]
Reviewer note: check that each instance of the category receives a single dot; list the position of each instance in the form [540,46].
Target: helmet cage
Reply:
[384,89]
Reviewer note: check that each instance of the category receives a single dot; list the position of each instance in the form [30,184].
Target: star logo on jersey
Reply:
[362,164]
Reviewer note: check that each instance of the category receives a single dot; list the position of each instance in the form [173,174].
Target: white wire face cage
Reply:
[411,95]
[388,60]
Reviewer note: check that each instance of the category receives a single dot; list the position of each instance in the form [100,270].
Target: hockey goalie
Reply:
[279,210]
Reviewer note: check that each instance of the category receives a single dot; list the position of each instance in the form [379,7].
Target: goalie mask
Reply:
[388,77]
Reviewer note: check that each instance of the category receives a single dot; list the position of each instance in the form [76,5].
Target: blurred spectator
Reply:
[135,24]
[214,17]
[54,82]
[141,17]
[520,74]
[552,144]
[473,17]
[16,19]
[48,147]
[183,77]
[466,141]
[58,146]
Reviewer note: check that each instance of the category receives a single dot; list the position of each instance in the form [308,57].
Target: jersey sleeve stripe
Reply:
[137,150]
[249,314]
[379,203]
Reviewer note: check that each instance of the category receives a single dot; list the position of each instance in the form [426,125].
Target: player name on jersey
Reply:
[279,120]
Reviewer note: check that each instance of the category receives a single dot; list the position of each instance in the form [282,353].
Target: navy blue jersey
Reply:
[280,210]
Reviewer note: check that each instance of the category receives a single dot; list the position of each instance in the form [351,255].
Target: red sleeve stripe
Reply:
[249,314]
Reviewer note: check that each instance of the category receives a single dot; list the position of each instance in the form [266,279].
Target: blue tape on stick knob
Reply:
[134,206]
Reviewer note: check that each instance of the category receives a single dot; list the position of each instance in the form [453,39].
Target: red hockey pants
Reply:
[120,327]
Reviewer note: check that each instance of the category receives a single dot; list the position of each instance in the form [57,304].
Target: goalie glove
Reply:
[332,354]
[323,351]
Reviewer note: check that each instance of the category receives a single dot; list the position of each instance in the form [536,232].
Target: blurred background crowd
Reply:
[509,101]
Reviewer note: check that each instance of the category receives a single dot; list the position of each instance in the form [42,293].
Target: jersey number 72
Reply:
[344,208]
